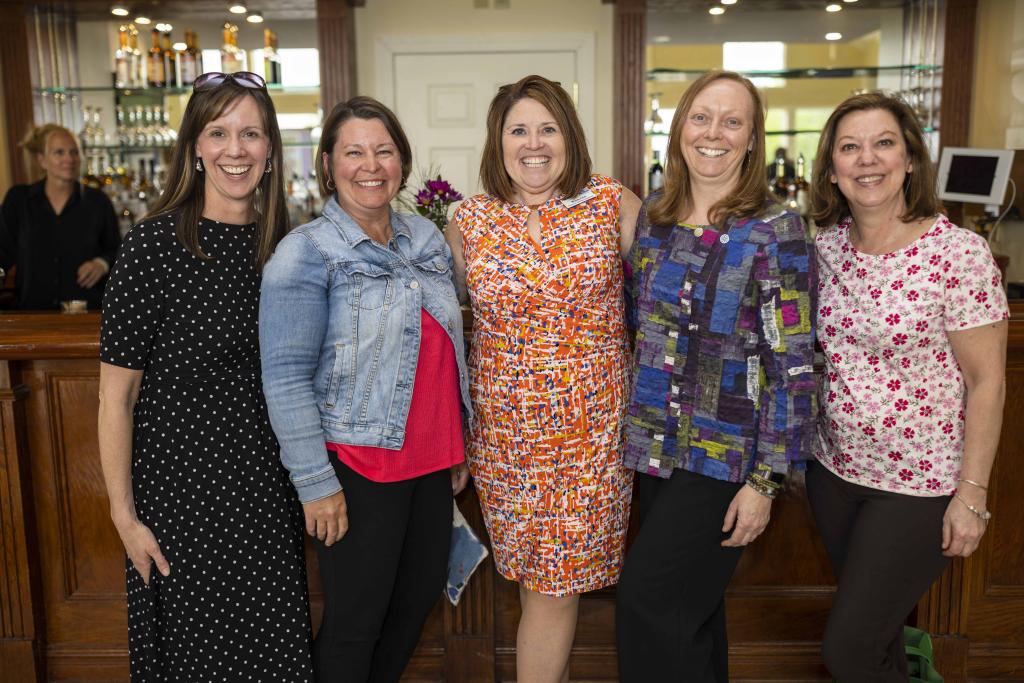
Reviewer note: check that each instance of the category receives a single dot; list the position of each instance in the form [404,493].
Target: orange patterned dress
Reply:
[548,368]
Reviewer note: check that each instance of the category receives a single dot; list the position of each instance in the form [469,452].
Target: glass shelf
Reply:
[926,129]
[186,90]
[832,72]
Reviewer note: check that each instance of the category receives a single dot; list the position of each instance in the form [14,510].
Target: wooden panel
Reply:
[628,121]
[17,84]
[336,41]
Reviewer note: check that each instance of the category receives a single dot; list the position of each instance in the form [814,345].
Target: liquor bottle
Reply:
[137,66]
[232,59]
[655,175]
[190,59]
[278,75]
[155,63]
[780,187]
[172,78]
[802,187]
[271,64]
[122,59]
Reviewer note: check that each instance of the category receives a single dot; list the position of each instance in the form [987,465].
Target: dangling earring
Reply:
[269,167]
[330,183]
[199,165]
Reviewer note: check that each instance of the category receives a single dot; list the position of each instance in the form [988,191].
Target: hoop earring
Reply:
[330,183]
[199,165]
[269,167]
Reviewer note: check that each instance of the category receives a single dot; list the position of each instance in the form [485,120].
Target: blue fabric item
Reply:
[465,555]
[340,335]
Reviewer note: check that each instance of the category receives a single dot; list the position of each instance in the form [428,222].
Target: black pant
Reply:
[670,611]
[886,550]
[383,577]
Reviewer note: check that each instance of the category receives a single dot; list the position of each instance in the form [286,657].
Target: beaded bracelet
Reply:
[766,487]
[983,515]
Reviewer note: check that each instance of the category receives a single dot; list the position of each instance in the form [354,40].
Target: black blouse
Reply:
[49,248]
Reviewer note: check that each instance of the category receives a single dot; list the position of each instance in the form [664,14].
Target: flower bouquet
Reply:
[434,199]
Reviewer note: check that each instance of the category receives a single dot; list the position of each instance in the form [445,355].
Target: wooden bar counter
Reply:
[62,607]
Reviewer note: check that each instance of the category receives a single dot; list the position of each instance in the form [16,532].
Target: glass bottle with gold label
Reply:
[155,62]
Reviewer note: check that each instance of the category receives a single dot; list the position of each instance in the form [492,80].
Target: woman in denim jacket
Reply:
[365,378]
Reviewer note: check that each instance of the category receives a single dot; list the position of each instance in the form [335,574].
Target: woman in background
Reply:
[723,398]
[61,235]
[912,319]
[540,253]
[191,465]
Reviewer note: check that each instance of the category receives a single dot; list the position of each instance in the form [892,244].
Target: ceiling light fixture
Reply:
[164,27]
[238,9]
[145,21]
[180,47]
[119,11]
[716,10]
[833,36]
[661,39]
[255,18]
[727,2]
[834,8]
[849,1]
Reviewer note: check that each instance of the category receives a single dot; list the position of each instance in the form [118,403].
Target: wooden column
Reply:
[629,95]
[957,35]
[17,84]
[336,40]
[22,626]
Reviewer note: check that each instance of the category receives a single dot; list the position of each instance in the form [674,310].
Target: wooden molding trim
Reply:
[17,85]
[336,39]
[629,56]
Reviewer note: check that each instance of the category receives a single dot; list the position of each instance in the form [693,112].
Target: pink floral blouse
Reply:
[893,396]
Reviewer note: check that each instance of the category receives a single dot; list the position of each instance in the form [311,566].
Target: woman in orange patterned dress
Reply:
[540,257]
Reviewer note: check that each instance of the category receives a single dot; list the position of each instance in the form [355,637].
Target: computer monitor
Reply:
[975,175]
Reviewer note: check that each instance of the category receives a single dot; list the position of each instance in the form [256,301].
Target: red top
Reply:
[433,430]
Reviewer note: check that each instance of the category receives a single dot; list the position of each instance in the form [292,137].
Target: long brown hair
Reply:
[184,192]
[493,175]
[829,206]
[751,192]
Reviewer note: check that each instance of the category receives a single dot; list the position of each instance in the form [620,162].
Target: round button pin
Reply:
[698,231]
[724,239]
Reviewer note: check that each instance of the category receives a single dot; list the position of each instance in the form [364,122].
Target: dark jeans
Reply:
[886,550]
[670,611]
[382,579]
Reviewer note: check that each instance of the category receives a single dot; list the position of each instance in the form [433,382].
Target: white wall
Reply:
[529,17]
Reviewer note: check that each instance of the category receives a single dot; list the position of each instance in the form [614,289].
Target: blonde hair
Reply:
[34,143]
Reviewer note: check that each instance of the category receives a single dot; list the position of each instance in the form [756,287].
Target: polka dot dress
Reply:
[205,470]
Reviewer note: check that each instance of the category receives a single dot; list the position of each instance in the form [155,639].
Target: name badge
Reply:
[578,199]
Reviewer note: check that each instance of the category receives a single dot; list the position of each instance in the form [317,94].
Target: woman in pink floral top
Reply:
[911,317]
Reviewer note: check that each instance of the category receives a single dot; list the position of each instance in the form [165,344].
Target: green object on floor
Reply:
[918,645]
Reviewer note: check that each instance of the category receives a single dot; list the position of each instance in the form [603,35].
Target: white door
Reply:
[442,96]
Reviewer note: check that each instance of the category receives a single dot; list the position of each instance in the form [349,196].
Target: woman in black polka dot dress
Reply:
[210,522]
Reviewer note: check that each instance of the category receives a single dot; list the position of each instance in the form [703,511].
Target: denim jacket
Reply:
[340,336]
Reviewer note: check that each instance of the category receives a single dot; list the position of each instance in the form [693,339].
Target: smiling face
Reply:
[870,161]
[62,161]
[533,150]
[234,148]
[366,168]
[717,133]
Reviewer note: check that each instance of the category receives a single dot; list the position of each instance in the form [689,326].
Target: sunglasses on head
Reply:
[246,79]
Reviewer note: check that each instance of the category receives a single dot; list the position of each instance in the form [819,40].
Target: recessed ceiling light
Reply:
[833,36]
[716,10]
[164,27]
[238,9]
[661,39]
[255,18]
[833,8]
[727,2]
[143,20]
[119,11]
[849,0]
[180,47]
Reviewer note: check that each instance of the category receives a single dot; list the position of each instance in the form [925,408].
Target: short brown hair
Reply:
[751,194]
[829,206]
[185,186]
[359,107]
[493,174]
